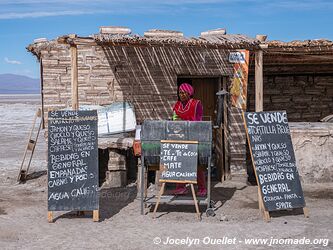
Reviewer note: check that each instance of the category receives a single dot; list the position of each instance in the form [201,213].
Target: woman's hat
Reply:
[186,87]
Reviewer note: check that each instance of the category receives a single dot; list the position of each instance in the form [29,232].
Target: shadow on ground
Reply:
[319,194]
[219,195]
[112,200]
[290,212]
[36,175]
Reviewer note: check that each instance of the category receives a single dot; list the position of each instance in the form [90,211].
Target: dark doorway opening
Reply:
[205,89]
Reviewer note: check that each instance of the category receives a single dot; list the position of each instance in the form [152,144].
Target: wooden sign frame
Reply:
[95,215]
[175,181]
[262,208]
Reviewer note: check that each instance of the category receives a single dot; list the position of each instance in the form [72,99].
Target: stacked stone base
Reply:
[120,167]
[116,178]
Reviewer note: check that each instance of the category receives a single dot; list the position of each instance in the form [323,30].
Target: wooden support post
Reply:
[159,199]
[74,75]
[306,212]
[95,215]
[195,201]
[157,180]
[261,207]
[50,216]
[267,216]
[259,81]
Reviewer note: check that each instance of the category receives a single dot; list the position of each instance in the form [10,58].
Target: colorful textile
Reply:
[185,87]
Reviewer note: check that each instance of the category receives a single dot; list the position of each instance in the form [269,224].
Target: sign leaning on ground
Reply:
[274,160]
[178,161]
[72,161]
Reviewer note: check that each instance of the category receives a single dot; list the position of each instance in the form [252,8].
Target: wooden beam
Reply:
[259,102]
[74,40]
[158,199]
[74,77]
[50,216]
[195,202]
[95,215]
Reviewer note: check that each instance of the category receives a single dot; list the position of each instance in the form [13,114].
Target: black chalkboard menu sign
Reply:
[274,160]
[178,161]
[72,161]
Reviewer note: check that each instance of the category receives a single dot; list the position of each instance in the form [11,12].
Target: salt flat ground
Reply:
[23,208]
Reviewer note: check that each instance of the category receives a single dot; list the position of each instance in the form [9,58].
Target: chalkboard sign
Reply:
[274,160]
[72,160]
[153,131]
[178,161]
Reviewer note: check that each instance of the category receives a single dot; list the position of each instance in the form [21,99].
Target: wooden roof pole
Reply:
[74,75]
[259,81]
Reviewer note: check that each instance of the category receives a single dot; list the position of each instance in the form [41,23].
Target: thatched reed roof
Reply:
[298,43]
[226,41]
[317,45]
[176,39]
[218,41]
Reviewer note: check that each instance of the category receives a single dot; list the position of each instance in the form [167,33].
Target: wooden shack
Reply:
[115,65]
[145,71]
[297,77]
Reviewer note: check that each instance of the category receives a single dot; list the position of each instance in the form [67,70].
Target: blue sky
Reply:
[22,21]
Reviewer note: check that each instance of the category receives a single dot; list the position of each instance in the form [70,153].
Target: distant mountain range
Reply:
[18,84]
